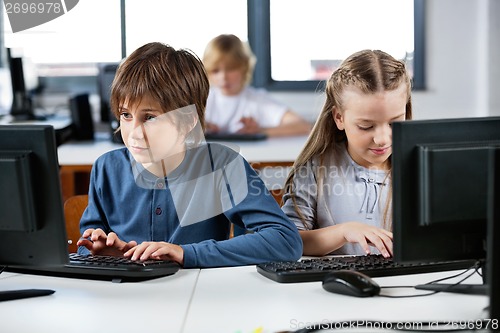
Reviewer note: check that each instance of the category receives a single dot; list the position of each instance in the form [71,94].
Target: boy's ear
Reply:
[192,125]
[338,118]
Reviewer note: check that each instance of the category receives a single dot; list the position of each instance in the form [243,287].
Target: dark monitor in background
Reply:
[24,79]
[105,78]
[81,117]
[440,190]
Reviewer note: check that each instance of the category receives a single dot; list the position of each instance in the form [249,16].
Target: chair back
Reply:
[73,209]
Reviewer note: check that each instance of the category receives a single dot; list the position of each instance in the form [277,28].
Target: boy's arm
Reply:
[272,236]
[93,217]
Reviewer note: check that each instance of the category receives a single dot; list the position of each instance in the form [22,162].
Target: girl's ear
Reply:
[338,118]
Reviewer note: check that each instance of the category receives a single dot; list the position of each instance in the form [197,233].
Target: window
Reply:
[308,37]
[87,34]
[298,43]
[187,24]
[91,32]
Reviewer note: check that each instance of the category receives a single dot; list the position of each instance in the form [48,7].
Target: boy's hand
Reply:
[98,243]
[156,250]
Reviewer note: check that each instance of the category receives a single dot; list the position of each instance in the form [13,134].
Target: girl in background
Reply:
[235,107]
[339,191]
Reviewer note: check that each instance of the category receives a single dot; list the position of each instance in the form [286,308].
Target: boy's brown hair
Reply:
[174,78]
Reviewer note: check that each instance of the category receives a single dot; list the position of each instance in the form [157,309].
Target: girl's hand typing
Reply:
[323,241]
[365,235]
[211,128]
[250,126]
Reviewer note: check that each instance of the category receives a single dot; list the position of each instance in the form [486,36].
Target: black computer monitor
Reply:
[493,260]
[24,81]
[105,77]
[31,214]
[440,189]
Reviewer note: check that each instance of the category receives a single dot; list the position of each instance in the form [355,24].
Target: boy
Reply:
[168,194]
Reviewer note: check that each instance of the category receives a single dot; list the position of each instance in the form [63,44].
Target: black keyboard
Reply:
[235,136]
[374,265]
[116,269]
[115,263]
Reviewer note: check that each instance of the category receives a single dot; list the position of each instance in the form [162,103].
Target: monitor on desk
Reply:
[32,225]
[494,234]
[107,72]
[440,189]
[105,78]
[31,214]
[24,80]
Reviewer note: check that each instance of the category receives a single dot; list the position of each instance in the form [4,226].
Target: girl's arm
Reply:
[320,242]
[291,124]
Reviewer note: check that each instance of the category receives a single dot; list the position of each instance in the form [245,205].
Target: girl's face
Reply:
[367,120]
[151,137]
[229,79]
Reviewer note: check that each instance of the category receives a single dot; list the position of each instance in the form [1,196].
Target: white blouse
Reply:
[227,111]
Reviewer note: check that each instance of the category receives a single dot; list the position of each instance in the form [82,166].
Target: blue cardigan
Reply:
[193,207]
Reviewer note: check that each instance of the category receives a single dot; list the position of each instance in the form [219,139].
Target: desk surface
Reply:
[256,302]
[217,300]
[58,122]
[83,306]
[283,149]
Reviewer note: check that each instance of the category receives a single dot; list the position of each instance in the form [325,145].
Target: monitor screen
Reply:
[31,212]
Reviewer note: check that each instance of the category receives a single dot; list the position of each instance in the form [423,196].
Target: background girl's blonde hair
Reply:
[370,71]
[233,52]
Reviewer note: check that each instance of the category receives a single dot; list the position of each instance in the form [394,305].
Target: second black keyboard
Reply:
[308,270]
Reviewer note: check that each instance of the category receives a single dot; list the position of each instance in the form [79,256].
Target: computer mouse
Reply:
[350,282]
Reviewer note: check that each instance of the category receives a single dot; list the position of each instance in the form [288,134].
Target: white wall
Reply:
[462,63]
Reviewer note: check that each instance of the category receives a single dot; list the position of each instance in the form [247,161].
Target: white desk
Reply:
[271,150]
[78,158]
[216,300]
[83,306]
[58,122]
[254,302]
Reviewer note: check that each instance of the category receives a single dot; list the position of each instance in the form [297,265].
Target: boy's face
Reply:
[150,135]
[367,120]
[228,78]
